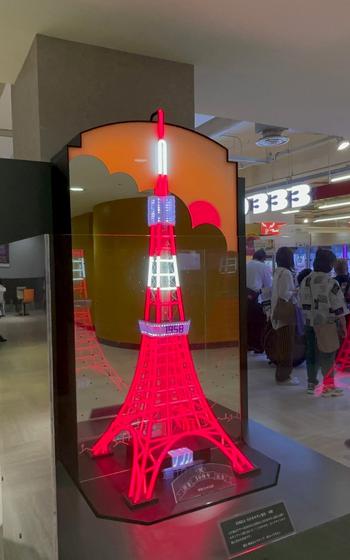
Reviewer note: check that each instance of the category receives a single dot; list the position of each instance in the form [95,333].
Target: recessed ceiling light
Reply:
[306,220]
[290,211]
[342,145]
[76,189]
[335,205]
[340,178]
[334,219]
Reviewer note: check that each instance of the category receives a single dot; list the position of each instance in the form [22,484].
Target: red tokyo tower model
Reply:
[89,355]
[165,404]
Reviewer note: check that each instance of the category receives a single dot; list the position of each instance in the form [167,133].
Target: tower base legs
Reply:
[106,482]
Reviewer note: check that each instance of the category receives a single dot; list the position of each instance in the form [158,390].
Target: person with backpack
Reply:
[324,309]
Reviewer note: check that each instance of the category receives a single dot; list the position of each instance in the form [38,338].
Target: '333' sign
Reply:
[278,200]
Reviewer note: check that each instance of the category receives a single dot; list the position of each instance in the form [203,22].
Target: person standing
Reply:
[2,299]
[259,282]
[324,309]
[283,313]
[2,306]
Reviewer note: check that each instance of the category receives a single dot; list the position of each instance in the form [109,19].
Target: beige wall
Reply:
[25,110]
[66,87]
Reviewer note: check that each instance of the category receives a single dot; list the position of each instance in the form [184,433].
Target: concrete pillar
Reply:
[66,87]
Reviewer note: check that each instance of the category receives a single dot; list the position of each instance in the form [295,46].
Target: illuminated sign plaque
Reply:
[278,200]
[271,228]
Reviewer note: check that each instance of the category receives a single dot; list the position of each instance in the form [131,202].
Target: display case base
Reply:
[104,480]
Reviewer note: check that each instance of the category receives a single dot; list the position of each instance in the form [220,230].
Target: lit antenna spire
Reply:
[162,163]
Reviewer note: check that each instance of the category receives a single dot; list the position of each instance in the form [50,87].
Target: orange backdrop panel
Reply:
[197,167]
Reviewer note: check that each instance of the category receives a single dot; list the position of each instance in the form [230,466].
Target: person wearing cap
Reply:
[259,283]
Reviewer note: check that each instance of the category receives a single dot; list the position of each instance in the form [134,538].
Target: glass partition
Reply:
[159,327]
[26,445]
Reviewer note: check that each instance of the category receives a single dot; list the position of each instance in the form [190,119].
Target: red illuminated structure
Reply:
[341,366]
[88,352]
[166,403]
[342,361]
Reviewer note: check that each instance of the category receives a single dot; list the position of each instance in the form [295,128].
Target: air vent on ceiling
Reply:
[270,136]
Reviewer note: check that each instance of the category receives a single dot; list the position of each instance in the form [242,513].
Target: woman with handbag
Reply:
[283,314]
[324,309]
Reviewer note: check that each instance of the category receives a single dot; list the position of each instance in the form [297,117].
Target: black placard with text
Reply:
[251,530]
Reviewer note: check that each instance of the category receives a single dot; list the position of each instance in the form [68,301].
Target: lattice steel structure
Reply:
[165,404]
[88,351]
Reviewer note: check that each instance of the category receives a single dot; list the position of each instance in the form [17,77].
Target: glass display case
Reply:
[158,324]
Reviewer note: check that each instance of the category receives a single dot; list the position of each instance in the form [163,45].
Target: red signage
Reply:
[270,228]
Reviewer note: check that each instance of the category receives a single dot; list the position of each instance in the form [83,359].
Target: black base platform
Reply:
[314,489]
[105,480]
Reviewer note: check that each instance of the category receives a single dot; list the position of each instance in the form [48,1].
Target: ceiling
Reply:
[281,62]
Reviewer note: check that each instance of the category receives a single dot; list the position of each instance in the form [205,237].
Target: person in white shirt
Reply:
[283,288]
[259,282]
[325,310]
[259,278]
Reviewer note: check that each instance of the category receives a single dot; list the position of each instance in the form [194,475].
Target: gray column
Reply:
[66,87]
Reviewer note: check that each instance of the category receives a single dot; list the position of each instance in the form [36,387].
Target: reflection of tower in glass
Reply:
[166,403]
[341,365]
[89,355]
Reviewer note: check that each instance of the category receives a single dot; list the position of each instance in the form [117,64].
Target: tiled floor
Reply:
[322,424]
[25,440]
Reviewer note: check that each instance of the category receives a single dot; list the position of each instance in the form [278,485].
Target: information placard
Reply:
[244,533]
[201,480]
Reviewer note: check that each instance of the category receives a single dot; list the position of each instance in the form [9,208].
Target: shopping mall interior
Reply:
[147,154]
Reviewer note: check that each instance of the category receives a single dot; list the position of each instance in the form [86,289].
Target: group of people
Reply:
[315,307]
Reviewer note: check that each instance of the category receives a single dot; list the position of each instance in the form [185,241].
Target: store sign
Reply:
[278,200]
[270,228]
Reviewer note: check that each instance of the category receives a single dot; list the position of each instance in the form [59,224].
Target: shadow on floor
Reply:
[327,542]
[17,551]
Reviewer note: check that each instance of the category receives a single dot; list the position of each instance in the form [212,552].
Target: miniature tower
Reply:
[88,351]
[166,403]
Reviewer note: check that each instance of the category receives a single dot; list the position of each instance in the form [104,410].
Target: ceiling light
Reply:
[76,189]
[342,145]
[334,219]
[306,220]
[340,178]
[335,205]
[291,212]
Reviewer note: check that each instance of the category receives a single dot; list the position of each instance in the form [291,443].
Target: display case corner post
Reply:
[66,439]
[242,302]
